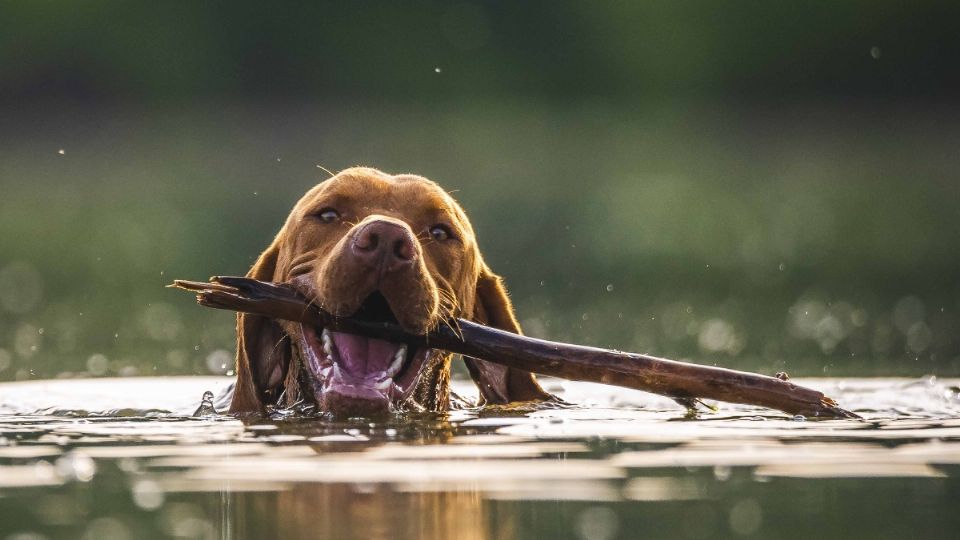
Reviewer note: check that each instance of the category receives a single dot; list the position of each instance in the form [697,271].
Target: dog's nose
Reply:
[384,244]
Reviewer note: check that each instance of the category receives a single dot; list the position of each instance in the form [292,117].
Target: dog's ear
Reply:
[263,349]
[499,384]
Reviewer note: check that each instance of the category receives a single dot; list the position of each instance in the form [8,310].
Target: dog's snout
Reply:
[384,244]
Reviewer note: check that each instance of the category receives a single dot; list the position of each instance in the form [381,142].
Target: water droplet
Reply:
[26,340]
[218,361]
[716,335]
[609,287]
[160,321]
[597,523]
[184,520]
[147,494]
[799,418]
[746,517]
[919,337]
[206,407]
[437,70]
[782,267]
[76,465]
[908,311]
[128,370]
[875,52]
[61,151]
[97,364]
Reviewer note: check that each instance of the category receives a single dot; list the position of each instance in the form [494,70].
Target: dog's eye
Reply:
[440,233]
[328,215]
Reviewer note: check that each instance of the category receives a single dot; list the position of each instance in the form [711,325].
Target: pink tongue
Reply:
[361,355]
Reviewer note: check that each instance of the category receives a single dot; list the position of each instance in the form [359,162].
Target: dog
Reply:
[390,248]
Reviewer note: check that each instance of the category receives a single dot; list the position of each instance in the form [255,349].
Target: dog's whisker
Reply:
[455,327]
[326,170]
[447,297]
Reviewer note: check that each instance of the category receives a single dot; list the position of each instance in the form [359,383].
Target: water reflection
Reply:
[626,466]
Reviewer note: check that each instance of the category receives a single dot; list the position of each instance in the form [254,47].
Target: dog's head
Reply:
[379,247]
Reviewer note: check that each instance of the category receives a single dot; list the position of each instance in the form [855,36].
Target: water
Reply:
[142,458]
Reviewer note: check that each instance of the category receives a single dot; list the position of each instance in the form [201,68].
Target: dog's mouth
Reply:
[357,375]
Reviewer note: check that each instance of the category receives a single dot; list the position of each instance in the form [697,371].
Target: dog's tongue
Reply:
[361,355]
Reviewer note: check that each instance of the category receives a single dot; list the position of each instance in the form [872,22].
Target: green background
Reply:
[760,185]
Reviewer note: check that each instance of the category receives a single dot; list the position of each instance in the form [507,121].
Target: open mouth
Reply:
[357,375]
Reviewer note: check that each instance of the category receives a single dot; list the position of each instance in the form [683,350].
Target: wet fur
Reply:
[447,281]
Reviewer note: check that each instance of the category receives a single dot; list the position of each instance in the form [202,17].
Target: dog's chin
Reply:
[353,375]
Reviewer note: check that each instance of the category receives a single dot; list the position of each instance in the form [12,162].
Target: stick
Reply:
[679,380]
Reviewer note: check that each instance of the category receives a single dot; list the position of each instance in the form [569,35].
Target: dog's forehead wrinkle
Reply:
[370,191]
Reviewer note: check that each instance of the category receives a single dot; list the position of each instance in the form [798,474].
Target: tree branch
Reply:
[679,380]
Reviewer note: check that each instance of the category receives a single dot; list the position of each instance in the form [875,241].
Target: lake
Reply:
[125,459]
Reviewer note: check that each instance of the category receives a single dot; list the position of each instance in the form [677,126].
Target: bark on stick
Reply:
[679,380]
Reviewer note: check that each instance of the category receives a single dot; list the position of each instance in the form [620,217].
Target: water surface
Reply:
[125,458]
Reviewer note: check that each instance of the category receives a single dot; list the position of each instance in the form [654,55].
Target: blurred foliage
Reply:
[713,50]
[760,185]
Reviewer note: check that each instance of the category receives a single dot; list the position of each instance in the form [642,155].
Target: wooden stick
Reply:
[679,380]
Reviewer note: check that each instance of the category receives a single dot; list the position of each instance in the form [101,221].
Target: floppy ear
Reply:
[499,384]
[263,350]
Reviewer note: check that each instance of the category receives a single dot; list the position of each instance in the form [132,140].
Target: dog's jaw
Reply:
[354,375]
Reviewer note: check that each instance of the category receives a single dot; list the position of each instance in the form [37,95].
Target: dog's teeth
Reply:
[327,343]
[397,363]
[384,384]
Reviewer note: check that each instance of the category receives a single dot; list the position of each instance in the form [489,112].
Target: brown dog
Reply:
[385,248]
